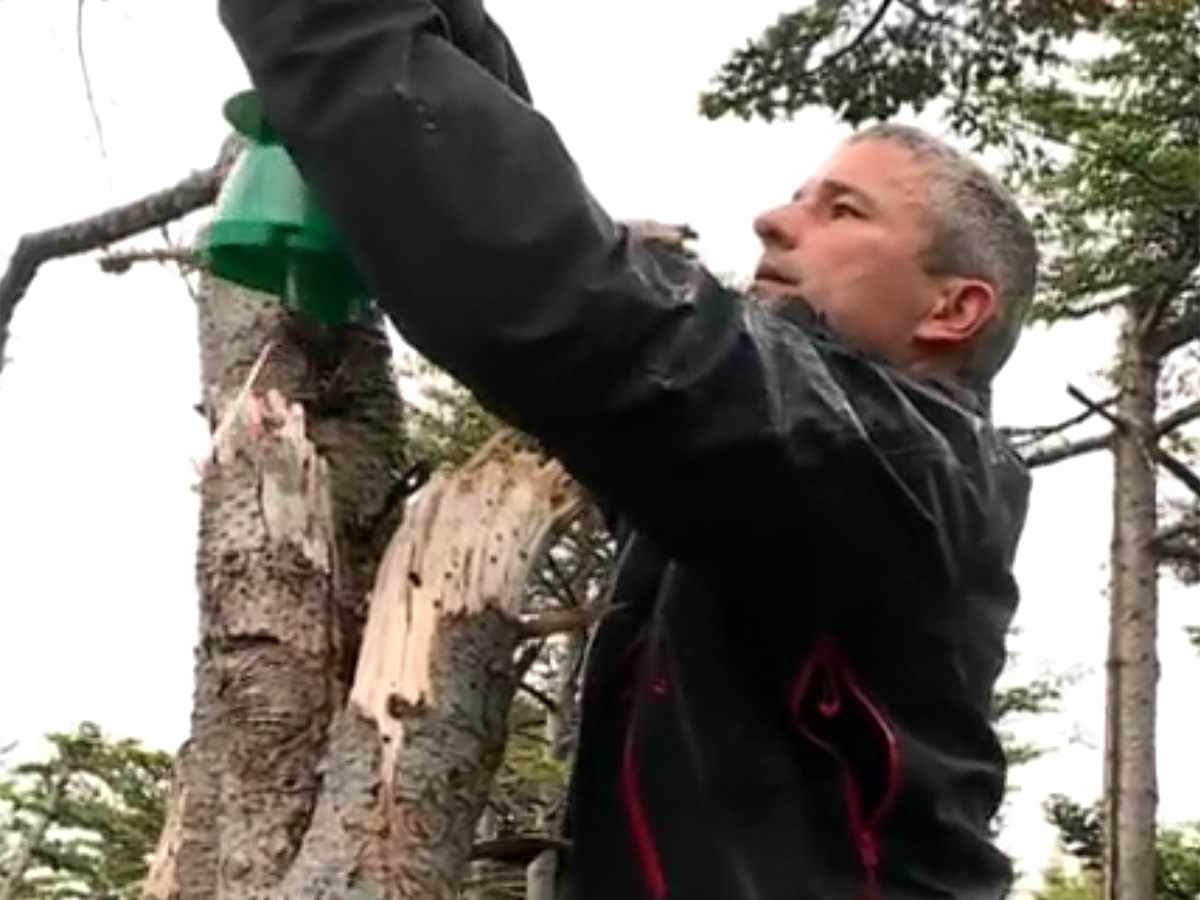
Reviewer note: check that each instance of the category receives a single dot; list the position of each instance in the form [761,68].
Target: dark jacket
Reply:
[792,697]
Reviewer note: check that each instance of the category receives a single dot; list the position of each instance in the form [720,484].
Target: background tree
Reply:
[311,456]
[1080,836]
[1095,110]
[82,820]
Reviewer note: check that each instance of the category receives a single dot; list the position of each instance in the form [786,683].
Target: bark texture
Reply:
[267,576]
[1131,782]
[283,786]
[303,478]
[162,879]
[412,757]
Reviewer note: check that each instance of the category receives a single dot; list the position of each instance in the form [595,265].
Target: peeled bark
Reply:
[412,757]
[268,572]
[1131,780]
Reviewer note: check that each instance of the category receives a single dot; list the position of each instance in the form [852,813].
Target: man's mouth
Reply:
[767,276]
[767,272]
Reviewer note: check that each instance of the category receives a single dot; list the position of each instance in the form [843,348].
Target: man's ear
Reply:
[964,309]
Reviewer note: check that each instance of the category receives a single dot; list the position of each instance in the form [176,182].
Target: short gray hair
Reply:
[979,231]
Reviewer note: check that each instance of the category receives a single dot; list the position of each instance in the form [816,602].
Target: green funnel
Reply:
[269,235]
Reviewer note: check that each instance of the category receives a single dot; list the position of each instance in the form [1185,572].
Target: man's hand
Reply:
[476,35]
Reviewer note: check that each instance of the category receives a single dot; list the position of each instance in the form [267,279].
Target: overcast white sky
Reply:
[97,433]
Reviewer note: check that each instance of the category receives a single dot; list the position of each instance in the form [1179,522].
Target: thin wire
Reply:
[91,98]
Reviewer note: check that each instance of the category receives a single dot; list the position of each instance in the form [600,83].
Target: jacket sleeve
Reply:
[733,437]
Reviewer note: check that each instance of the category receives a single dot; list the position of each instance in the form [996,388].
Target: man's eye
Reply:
[843,210]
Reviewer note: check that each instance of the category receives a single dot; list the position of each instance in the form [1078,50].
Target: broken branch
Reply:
[411,759]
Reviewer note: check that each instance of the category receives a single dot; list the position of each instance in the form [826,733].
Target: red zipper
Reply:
[827,661]
[635,808]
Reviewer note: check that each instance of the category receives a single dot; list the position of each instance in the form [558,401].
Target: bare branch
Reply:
[1182,527]
[120,262]
[1074,313]
[1179,544]
[516,849]
[1180,417]
[557,621]
[527,656]
[1182,472]
[1045,456]
[1028,434]
[1181,331]
[117,224]
[1179,552]
[558,582]
[540,696]
[860,38]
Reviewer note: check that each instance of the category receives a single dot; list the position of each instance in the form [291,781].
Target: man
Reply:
[792,695]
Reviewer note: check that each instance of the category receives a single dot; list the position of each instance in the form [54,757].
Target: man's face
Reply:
[851,243]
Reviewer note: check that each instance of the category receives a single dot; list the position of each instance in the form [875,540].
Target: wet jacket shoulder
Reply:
[730,434]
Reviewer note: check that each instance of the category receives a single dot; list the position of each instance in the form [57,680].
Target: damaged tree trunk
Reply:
[412,758]
[295,502]
[277,796]
[273,791]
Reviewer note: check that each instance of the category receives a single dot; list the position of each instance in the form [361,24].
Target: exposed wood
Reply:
[293,513]
[162,880]
[267,579]
[291,510]
[412,758]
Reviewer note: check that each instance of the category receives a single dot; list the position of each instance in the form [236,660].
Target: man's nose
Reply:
[775,229]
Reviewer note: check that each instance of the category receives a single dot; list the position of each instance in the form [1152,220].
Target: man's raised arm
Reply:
[722,430]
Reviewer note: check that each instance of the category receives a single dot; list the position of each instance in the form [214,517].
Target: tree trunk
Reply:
[293,503]
[284,788]
[1131,781]
[381,800]
[542,874]
[412,757]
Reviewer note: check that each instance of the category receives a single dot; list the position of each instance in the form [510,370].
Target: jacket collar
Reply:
[977,399]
